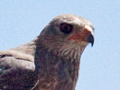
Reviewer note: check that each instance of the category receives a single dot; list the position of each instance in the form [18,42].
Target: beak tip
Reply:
[91,39]
[92,44]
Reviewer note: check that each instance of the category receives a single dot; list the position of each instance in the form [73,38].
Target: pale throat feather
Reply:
[71,51]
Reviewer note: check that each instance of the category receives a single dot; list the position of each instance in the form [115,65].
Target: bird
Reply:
[51,61]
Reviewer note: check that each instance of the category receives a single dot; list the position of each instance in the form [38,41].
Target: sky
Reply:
[22,20]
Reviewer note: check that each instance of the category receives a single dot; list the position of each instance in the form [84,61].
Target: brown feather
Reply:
[49,62]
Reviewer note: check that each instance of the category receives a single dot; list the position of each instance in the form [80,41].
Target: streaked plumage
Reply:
[51,61]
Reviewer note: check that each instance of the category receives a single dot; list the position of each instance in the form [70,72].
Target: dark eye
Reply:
[66,28]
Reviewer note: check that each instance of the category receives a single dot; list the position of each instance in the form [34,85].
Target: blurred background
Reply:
[22,20]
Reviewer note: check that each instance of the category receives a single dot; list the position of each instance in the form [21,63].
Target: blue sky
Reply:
[22,20]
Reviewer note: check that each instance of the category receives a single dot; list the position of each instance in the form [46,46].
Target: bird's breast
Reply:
[56,73]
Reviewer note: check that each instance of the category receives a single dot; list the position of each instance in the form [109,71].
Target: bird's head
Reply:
[67,34]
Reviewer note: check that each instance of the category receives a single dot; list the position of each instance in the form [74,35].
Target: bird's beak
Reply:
[89,32]
[85,35]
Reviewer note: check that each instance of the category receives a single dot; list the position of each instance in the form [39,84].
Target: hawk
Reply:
[52,60]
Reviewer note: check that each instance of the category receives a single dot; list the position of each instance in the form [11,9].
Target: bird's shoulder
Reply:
[17,66]
[19,57]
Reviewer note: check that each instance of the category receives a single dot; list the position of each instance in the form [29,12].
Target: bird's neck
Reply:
[57,68]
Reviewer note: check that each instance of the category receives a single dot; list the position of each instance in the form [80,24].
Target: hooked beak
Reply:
[90,37]
[85,35]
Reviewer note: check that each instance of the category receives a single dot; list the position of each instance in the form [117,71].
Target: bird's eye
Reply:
[66,28]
